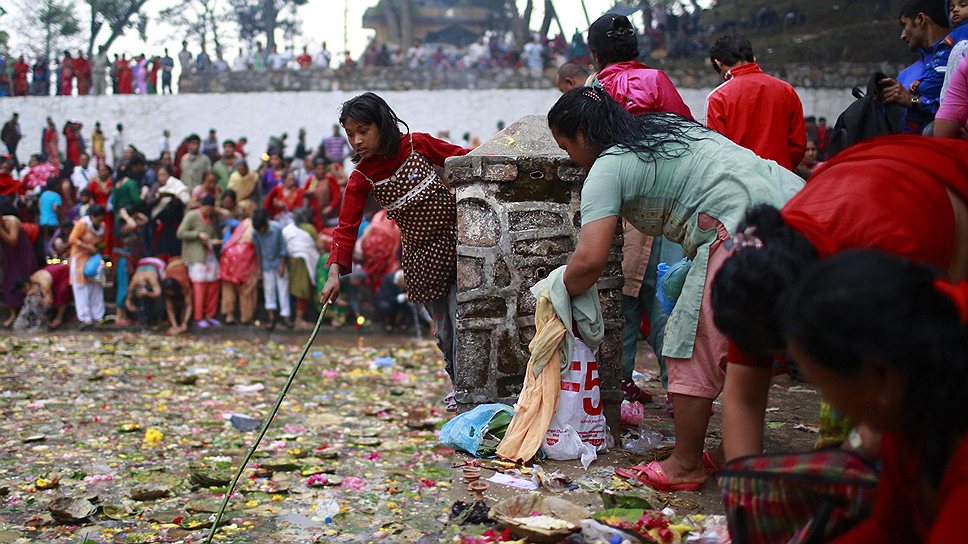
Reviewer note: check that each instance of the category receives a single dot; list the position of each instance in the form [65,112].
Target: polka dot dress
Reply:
[426,214]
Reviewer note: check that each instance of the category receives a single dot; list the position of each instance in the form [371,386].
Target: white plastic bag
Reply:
[579,413]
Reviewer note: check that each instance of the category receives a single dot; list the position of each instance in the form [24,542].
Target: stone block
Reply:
[535,219]
[470,273]
[484,308]
[502,275]
[510,386]
[477,224]
[549,247]
[500,172]
[536,191]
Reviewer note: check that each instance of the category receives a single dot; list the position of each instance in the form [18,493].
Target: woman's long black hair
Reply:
[608,127]
[746,290]
[862,306]
[369,108]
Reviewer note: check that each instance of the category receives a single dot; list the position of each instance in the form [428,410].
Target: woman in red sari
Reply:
[285,198]
[239,269]
[125,76]
[381,245]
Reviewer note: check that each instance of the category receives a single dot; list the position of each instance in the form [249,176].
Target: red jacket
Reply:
[761,113]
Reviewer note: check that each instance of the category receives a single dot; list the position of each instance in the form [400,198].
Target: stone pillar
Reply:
[518,217]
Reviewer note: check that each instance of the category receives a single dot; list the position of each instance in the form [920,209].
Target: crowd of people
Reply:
[853,271]
[184,239]
[789,263]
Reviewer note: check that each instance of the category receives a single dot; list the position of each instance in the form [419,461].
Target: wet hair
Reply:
[612,39]
[96,210]
[608,127]
[747,289]
[936,10]
[20,283]
[859,307]
[171,285]
[369,108]
[260,219]
[731,49]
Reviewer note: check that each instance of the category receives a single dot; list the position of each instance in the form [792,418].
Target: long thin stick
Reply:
[265,426]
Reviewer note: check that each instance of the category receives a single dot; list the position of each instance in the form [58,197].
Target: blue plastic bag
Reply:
[93,266]
[466,430]
[668,287]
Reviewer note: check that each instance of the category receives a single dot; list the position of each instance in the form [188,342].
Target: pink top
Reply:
[641,89]
[954,107]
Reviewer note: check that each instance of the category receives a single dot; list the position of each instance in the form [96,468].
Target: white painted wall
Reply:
[259,115]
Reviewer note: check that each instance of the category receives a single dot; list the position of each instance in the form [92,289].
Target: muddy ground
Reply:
[134,435]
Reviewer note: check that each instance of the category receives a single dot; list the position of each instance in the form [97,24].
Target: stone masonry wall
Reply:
[517,221]
[685,76]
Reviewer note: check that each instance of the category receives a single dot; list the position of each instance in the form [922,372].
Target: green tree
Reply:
[112,18]
[55,18]
[264,17]
[197,18]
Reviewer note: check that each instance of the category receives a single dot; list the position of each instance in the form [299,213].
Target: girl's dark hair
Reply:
[608,127]
[746,290]
[369,108]
[612,39]
[171,285]
[862,306]
[53,183]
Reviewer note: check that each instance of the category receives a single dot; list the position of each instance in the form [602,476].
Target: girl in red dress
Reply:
[398,170]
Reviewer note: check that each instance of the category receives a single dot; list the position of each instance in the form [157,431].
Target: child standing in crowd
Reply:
[886,343]
[88,291]
[398,170]
[301,239]
[271,246]
[199,235]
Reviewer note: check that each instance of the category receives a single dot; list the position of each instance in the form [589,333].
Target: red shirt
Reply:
[377,169]
[761,113]
[887,193]
[10,186]
[900,513]
[304,61]
[292,200]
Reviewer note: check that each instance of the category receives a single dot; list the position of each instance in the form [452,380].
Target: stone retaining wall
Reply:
[810,76]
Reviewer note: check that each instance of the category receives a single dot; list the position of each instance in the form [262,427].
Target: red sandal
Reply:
[655,477]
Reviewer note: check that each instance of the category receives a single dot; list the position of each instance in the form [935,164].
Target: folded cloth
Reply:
[584,311]
[539,395]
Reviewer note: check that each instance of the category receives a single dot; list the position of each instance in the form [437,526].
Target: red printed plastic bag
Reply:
[579,410]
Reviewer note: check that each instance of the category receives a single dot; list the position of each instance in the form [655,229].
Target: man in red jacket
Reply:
[757,111]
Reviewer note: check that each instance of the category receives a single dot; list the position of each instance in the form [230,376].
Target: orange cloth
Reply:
[539,396]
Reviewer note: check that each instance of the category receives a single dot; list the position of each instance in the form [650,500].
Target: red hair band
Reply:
[957,293]
[593,95]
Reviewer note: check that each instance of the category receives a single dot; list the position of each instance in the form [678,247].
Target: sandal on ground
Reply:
[708,463]
[201,324]
[655,477]
[633,393]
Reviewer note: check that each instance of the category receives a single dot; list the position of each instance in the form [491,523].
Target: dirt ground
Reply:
[353,455]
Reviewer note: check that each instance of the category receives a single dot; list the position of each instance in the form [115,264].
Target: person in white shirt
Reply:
[241,62]
[324,58]
[164,144]
[276,60]
[117,146]
[84,172]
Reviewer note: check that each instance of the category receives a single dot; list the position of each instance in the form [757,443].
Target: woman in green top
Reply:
[667,176]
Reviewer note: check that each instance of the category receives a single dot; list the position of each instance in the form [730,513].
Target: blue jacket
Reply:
[930,71]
